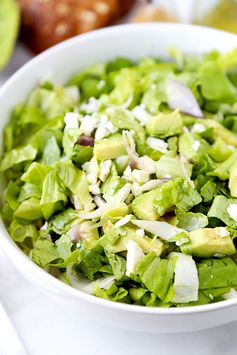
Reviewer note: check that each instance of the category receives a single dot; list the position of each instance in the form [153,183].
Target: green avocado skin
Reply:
[9,26]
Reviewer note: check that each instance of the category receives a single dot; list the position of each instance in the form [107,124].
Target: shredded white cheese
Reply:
[140,233]
[71,120]
[105,167]
[134,255]
[141,114]
[232,211]
[230,295]
[223,232]
[186,281]
[157,144]
[196,145]
[198,127]
[123,221]
[88,125]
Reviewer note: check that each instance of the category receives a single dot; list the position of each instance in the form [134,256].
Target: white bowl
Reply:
[58,64]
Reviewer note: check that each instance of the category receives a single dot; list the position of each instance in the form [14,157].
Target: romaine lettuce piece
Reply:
[35,174]
[171,167]
[29,209]
[11,195]
[20,231]
[219,209]
[191,146]
[191,221]
[29,190]
[214,273]
[165,125]
[118,265]
[220,151]
[51,153]
[53,195]
[215,84]
[156,274]
[17,156]
[45,253]
[76,181]
[177,192]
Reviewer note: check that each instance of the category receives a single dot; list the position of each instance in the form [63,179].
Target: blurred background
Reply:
[28,27]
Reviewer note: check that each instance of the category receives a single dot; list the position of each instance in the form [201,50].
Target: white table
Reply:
[47,328]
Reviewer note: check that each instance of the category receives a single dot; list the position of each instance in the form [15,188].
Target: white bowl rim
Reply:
[14,252]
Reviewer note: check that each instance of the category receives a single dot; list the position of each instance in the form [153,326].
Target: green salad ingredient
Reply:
[9,26]
[123,182]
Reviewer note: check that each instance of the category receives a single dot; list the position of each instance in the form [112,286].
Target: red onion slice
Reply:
[86,141]
[181,97]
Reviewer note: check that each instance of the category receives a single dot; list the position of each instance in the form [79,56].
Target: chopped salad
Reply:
[123,182]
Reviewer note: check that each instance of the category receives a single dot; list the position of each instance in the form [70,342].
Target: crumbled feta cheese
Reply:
[110,127]
[71,120]
[185,129]
[232,211]
[147,164]
[140,175]
[127,172]
[123,221]
[157,144]
[94,189]
[231,147]
[123,159]
[105,167]
[91,169]
[196,145]
[44,226]
[88,125]
[101,133]
[100,84]
[218,255]
[198,127]
[134,255]
[73,91]
[76,202]
[140,233]
[93,105]
[141,114]
[103,119]
[136,189]
[231,294]
[223,232]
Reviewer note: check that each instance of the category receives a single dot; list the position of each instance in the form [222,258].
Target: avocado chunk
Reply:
[220,151]
[233,180]
[190,145]
[145,243]
[110,148]
[208,242]
[165,125]
[171,167]
[142,206]
[220,131]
